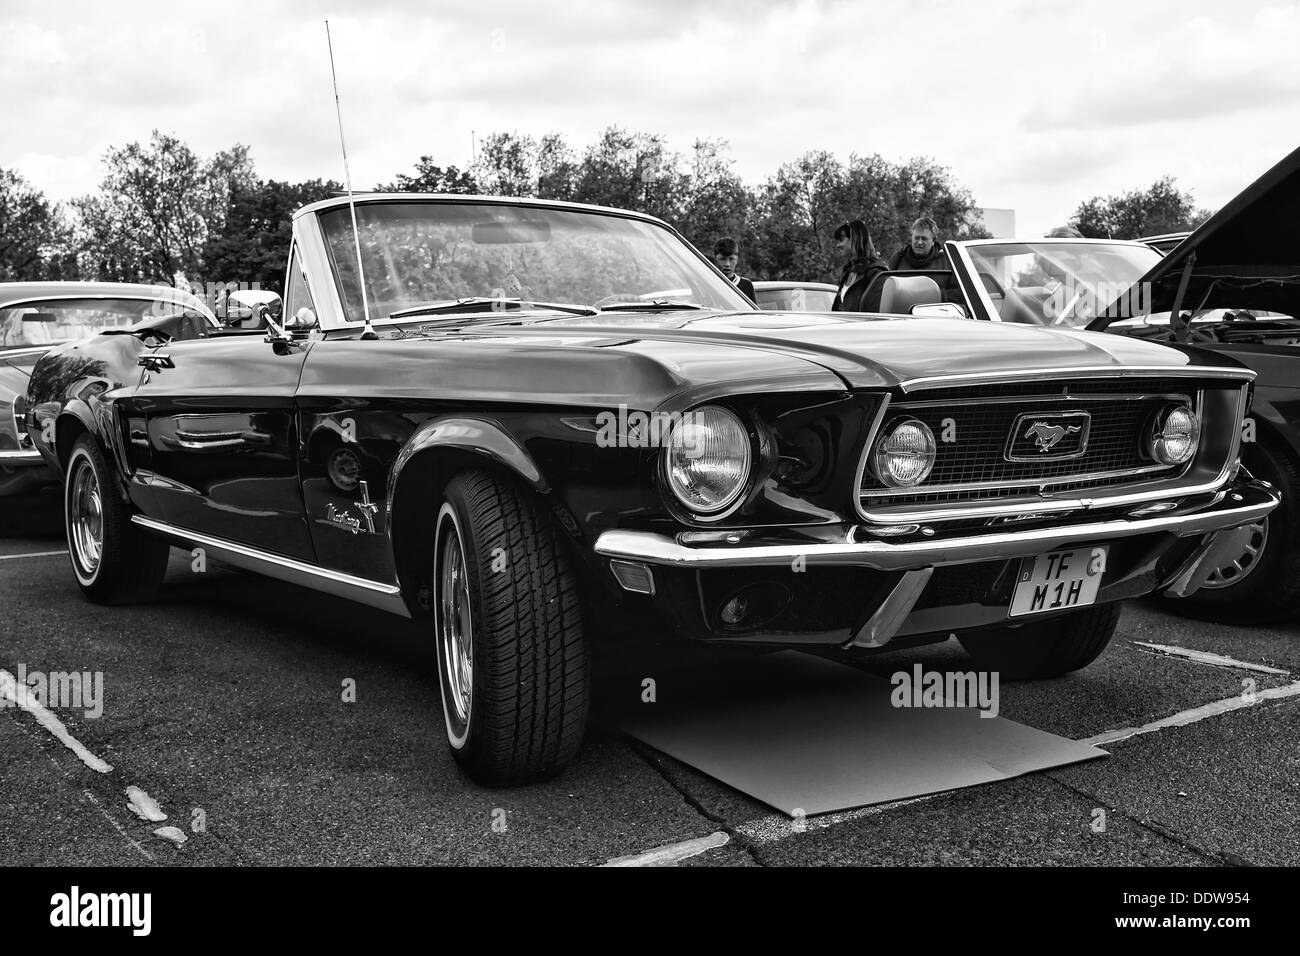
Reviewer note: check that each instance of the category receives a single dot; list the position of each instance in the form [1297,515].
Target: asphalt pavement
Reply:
[227,702]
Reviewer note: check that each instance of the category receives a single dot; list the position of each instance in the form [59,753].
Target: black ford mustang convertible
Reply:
[540,425]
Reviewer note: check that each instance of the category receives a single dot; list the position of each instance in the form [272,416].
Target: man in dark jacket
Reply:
[924,251]
[727,255]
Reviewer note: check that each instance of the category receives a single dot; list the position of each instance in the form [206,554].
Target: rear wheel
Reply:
[512,662]
[1261,582]
[114,562]
[1046,648]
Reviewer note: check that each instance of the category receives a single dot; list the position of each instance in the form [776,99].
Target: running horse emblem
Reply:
[1049,436]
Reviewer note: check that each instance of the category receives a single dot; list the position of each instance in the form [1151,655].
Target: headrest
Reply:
[900,293]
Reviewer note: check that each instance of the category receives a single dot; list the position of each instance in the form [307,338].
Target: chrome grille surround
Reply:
[1110,472]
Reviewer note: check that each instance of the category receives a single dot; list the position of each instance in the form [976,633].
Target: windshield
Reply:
[53,321]
[1064,283]
[423,253]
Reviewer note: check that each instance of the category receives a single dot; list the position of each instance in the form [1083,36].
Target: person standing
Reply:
[853,241]
[726,253]
[924,252]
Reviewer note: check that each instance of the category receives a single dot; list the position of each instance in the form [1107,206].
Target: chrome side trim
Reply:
[1048,374]
[885,621]
[376,594]
[15,459]
[653,548]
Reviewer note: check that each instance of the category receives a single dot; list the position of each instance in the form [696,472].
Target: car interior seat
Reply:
[901,293]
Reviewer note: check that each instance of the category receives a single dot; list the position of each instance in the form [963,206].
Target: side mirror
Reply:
[941,310]
[263,303]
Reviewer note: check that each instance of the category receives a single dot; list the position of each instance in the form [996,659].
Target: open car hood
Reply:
[1246,256]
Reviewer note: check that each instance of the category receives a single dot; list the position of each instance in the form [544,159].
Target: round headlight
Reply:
[708,459]
[1174,435]
[905,455]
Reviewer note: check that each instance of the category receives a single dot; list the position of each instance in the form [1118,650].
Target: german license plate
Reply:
[1058,580]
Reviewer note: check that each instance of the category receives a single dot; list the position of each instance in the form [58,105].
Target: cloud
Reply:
[1033,106]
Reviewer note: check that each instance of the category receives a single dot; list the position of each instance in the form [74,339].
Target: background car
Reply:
[774,296]
[1166,242]
[536,425]
[1235,284]
[36,316]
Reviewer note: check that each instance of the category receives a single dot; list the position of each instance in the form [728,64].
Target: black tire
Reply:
[528,683]
[1043,649]
[1263,586]
[129,564]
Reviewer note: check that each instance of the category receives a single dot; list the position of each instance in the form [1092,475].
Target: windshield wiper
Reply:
[656,305]
[482,303]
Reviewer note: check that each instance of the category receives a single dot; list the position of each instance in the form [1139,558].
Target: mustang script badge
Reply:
[344,518]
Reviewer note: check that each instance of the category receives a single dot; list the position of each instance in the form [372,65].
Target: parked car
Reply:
[551,451]
[35,316]
[776,296]
[1241,298]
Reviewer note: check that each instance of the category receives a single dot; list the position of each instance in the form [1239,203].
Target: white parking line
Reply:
[672,854]
[33,554]
[778,826]
[21,695]
[1205,657]
[1197,713]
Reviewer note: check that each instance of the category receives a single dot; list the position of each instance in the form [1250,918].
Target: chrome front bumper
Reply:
[1243,503]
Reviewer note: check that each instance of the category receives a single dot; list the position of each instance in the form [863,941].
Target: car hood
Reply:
[1245,256]
[656,355]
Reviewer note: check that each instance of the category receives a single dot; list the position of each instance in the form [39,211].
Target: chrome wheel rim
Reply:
[1236,568]
[85,517]
[455,627]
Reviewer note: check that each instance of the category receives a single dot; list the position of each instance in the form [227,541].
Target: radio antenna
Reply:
[369,331]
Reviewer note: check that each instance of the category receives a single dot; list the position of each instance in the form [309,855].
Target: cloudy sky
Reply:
[1033,105]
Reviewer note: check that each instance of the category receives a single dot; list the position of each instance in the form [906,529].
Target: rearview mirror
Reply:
[497,233]
[941,310]
[40,317]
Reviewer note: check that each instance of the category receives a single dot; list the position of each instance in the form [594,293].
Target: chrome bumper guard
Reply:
[1238,505]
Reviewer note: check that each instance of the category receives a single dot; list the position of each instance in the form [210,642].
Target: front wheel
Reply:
[512,662]
[1047,648]
[114,562]
[1261,582]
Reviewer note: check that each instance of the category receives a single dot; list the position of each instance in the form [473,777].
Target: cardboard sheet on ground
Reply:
[799,732]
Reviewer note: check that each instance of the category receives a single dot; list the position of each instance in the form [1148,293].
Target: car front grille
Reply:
[979,431]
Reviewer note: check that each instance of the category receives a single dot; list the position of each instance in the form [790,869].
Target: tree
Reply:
[431,178]
[716,203]
[1158,209]
[157,206]
[252,244]
[35,237]
[507,165]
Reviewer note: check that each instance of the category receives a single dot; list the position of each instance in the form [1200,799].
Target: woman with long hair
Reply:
[863,264]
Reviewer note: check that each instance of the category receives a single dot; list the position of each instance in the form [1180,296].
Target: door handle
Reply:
[155,361]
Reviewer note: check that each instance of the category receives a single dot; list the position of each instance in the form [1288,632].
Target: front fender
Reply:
[435,451]
[478,436]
